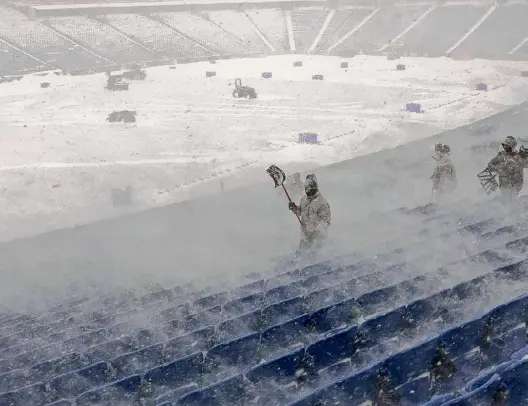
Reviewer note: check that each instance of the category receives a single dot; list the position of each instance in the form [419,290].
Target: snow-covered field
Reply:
[60,159]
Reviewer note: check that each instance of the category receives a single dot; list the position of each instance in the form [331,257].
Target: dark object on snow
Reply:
[414,107]
[116,82]
[44,85]
[243,91]
[124,116]
[266,75]
[172,67]
[344,65]
[317,77]
[488,180]
[307,138]
[135,74]
[210,74]
[401,67]
[297,64]
[524,74]
[482,87]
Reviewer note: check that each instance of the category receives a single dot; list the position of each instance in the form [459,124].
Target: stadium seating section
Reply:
[93,42]
[395,328]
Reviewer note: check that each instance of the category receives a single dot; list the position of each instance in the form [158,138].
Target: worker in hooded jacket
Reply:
[314,213]
[509,165]
[444,175]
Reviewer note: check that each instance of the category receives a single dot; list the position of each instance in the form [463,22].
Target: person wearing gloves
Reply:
[509,165]
[314,213]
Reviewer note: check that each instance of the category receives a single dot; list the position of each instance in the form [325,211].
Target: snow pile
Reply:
[61,160]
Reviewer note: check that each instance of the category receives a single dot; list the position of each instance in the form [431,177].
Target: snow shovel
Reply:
[278,176]
[488,180]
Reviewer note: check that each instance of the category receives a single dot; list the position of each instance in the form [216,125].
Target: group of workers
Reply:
[314,210]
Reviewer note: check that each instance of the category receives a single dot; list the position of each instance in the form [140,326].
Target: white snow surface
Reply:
[60,159]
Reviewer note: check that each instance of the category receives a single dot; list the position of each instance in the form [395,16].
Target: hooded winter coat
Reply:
[510,168]
[444,175]
[315,214]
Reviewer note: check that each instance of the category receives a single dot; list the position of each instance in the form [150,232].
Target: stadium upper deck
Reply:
[98,35]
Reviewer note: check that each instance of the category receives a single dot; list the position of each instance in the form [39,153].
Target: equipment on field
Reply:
[116,82]
[135,74]
[124,116]
[243,91]
[279,177]
[488,180]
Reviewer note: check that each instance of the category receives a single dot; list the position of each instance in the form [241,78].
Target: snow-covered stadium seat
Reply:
[325,331]
[157,36]
[56,51]
[102,39]
[205,33]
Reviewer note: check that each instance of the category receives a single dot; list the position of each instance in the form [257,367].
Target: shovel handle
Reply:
[290,200]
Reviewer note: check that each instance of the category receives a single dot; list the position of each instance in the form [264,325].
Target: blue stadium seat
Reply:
[36,355]
[282,311]
[332,349]
[178,372]
[280,369]
[34,395]
[241,325]
[438,400]
[514,380]
[176,312]
[239,352]
[284,292]
[81,342]
[250,289]
[316,269]
[136,361]
[15,379]
[481,395]
[486,374]
[62,402]
[324,297]
[284,335]
[123,390]
[109,349]
[199,340]
[172,396]
[230,391]
[202,319]
[57,366]
[505,345]
[520,354]
[77,382]
[244,304]
[378,329]
[409,364]
[335,316]
[207,302]
[415,392]
[328,278]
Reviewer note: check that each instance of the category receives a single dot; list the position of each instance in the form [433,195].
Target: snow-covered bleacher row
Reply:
[72,42]
[407,326]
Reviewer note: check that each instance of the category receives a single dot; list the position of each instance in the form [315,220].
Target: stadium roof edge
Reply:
[57,10]
[37,11]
